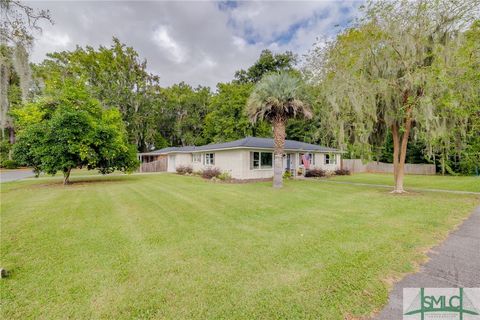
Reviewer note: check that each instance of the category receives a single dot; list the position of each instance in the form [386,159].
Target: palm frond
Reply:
[279,96]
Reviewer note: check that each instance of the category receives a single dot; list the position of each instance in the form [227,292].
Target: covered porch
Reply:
[152,162]
[297,162]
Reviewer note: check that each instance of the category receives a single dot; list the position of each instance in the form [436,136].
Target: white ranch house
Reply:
[248,158]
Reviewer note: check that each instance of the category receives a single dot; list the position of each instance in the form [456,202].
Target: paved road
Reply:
[454,263]
[12,175]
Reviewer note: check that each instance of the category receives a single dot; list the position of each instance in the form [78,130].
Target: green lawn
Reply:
[166,246]
[459,183]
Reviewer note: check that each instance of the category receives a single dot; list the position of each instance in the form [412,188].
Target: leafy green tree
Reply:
[69,129]
[266,63]
[277,98]
[182,114]
[469,59]
[227,119]
[311,130]
[455,82]
[456,142]
[382,74]
[18,24]
[117,78]
[10,92]
[28,149]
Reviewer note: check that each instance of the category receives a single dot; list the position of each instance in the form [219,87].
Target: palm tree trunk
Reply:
[279,139]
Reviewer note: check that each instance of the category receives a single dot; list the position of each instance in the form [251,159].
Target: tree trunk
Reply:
[396,150]
[4,104]
[443,162]
[66,176]
[400,143]
[279,139]
[11,135]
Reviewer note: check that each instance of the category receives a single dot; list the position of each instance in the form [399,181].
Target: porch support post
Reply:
[297,166]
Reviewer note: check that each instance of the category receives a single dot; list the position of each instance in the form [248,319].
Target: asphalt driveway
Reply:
[453,264]
[12,175]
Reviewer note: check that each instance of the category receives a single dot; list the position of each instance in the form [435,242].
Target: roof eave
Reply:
[237,148]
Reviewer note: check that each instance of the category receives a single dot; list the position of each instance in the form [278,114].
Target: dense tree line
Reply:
[375,90]
[156,117]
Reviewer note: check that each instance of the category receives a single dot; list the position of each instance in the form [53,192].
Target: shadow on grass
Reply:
[99,179]
[102,178]
[57,182]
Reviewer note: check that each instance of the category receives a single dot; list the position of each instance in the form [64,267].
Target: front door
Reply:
[171,160]
[290,162]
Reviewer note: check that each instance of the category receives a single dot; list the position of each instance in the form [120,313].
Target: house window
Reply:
[330,159]
[197,157]
[209,159]
[261,160]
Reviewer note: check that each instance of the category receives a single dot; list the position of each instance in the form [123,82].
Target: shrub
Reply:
[5,148]
[184,170]
[210,173]
[287,175]
[9,164]
[342,172]
[225,176]
[315,173]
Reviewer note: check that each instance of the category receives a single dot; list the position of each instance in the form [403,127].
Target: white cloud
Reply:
[239,42]
[200,43]
[49,38]
[163,39]
[209,63]
[50,41]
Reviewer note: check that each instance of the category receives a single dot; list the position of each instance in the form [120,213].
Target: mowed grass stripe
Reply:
[454,183]
[62,249]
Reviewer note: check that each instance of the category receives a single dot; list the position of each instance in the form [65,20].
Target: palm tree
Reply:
[277,98]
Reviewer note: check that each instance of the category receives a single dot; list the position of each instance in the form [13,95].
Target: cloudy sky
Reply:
[198,42]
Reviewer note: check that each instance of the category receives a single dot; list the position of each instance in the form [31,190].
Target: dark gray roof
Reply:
[248,142]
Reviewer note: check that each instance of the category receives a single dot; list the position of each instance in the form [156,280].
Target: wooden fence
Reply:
[154,166]
[356,166]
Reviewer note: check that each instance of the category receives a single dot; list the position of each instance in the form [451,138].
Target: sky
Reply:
[198,42]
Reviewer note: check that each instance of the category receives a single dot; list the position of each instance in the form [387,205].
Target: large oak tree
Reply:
[385,74]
